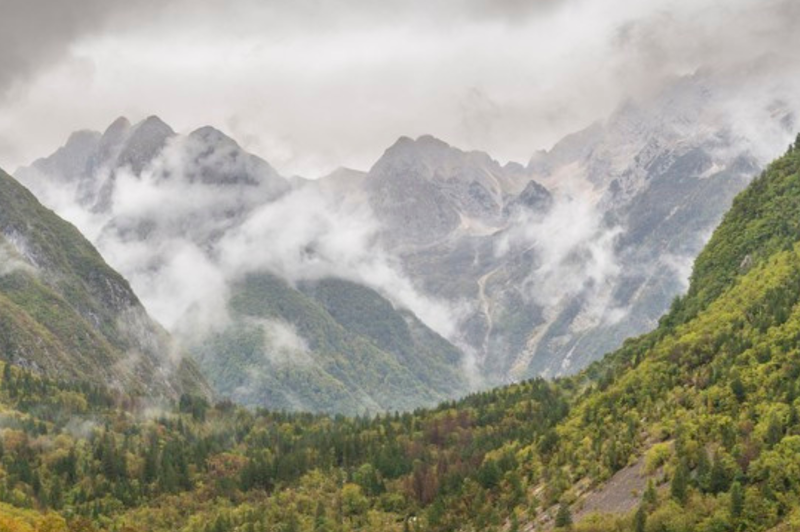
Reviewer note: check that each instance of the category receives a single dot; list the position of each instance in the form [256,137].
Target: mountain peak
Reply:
[117,128]
[212,135]
[154,124]
[422,142]
[431,141]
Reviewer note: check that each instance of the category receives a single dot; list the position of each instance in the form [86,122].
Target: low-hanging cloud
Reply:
[311,235]
[183,235]
[10,260]
[575,255]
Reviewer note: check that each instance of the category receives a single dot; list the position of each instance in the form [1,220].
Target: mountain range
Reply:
[506,271]
[693,426]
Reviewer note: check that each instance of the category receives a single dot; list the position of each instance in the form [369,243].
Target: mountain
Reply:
[563,259]
[329,346]
[527,270]
[424,190]
[193,221]
[693,426]
[66,314]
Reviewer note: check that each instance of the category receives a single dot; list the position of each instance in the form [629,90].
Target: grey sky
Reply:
[311,85]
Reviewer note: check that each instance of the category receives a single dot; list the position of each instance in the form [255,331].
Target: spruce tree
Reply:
[718,481]
[737,500]
[640,519]
[679,489]
[563,517]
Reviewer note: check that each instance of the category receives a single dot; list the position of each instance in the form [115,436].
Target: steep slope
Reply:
[186,218]
[530,270]
[66,313]
[332,346]
[716,382]
[664,172]
[562,260]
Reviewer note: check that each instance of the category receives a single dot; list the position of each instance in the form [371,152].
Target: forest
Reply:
[705,407]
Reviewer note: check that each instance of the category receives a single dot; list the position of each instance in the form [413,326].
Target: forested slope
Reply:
[65,312]
[705,408]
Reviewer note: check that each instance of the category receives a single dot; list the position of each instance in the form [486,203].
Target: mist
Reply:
[183,236]
[311,86]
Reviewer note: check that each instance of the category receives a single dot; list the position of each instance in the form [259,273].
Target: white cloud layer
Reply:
[313,85]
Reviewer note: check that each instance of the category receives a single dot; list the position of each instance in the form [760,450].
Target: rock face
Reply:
[64,312]
[425,190]
[562,260]
[528,270]
[183,219]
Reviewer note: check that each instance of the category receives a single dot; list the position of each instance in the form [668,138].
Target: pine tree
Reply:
[774,432]
[679,489]
[640,519]
[704,472]
[737,500]
[564,516]
[718,478]
[738,389]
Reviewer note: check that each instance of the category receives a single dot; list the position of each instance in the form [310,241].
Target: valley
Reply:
[466,245]
[700,412]
[399,266]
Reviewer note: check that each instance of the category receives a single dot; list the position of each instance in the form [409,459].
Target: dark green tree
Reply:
[650,497]
[563,516]
[737,500]
[719,480]
[679,488]
[640,519]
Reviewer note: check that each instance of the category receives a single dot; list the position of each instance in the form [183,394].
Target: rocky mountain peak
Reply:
[153,125]
[118,128]
[144,143]
[212,135]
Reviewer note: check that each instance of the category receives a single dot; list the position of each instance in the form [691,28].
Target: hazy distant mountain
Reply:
[529,270]
[663,175]
[561,260]
[65,313]
[170,216]
[424,191]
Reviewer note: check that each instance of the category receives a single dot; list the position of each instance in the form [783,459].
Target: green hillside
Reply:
[332,346]
[691,428]
[63,311]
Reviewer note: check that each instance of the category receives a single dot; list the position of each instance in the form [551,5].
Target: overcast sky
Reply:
[312,84]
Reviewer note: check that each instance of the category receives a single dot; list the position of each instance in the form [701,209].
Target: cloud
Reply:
[181,233]
[314,85]
[282,343]
[311,235]
[10,260]
[575,256]
[37,33]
